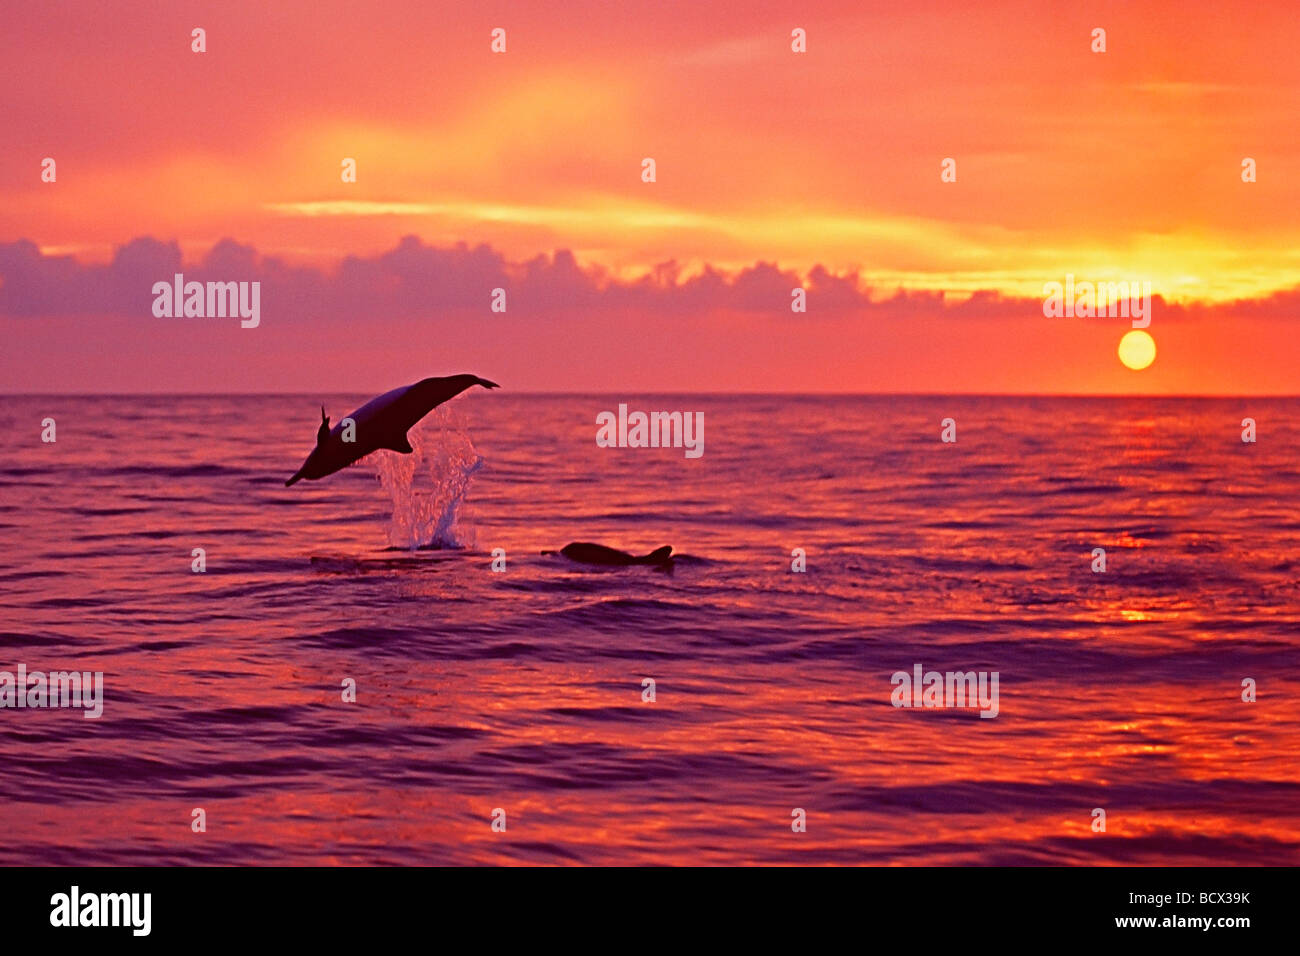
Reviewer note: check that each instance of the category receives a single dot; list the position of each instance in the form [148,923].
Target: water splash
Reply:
[428,487]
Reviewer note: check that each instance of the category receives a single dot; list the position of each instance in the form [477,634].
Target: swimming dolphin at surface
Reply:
[380,423]
[599,554]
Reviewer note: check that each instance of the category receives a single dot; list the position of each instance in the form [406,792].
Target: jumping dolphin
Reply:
[380,423]
[588,553]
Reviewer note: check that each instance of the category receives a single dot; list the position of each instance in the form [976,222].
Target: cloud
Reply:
[414,279]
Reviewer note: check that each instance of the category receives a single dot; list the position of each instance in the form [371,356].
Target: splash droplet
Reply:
[428,486]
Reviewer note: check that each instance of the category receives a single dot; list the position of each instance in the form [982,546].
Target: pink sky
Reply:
[774,169]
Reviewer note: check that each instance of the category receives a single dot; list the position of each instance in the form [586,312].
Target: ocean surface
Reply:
[522,690]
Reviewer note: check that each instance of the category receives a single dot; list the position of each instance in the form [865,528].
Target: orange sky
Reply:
[1122,165]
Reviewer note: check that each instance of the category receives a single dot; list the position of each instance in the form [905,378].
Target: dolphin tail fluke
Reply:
[659,555]
[485,383]
[297,477]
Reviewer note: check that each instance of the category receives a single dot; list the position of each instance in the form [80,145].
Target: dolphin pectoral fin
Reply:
[399,444]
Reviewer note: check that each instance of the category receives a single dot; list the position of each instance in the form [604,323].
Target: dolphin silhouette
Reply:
[380,423]
[588,553]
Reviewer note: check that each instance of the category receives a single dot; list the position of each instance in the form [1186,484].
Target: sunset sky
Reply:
[523,170]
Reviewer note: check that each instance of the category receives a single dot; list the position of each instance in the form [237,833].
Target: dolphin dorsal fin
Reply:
[659,555]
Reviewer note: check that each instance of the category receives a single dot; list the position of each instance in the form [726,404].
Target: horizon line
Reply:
[717,394]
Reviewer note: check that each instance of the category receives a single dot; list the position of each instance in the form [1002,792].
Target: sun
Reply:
[1137,350]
